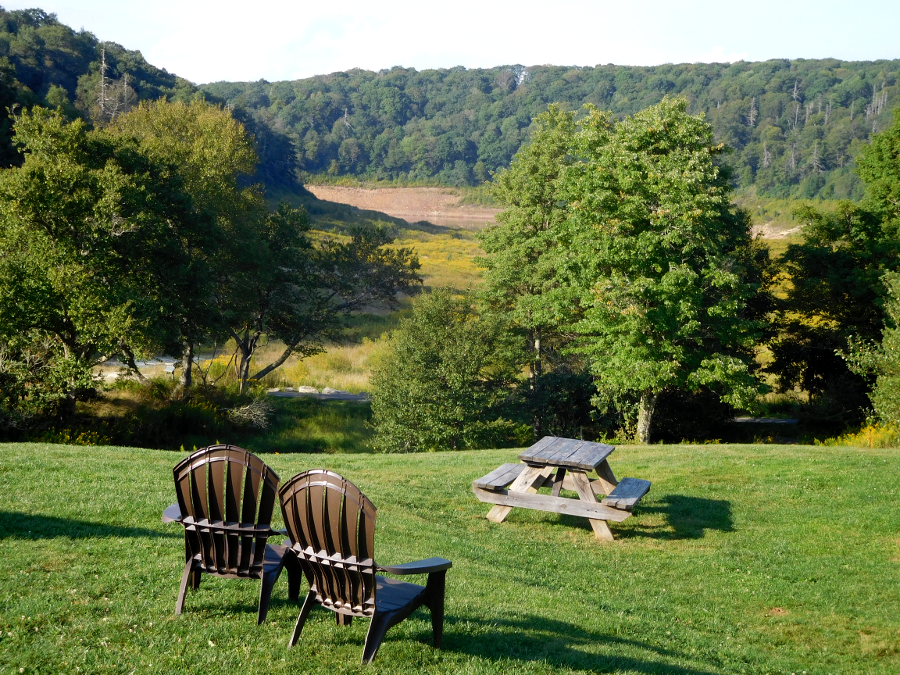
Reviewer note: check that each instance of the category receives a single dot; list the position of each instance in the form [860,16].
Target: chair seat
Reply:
[274,558]
[392,595]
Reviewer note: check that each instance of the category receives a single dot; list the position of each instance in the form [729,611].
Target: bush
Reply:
[445,379]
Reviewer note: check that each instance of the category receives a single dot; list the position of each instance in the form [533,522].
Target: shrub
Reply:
[443,382]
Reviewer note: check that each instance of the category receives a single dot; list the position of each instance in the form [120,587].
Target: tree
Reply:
[298,292]
[518,269]
[211,153]
[835,296]
[89,253]
[879,168]
[883,360]
[442,384]
[664,268]
[265,279]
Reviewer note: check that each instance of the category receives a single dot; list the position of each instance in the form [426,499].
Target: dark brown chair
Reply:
[332,528]
[226,496]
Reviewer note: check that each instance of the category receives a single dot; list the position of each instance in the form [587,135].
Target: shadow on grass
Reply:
[30,526]
[558,643]
[531,638]
[686,518]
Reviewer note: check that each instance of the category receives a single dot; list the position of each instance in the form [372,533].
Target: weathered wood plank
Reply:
[500,477]
[527,482]
[557,483]
[567,452]
[542,452]
[540,502]
[562,450]
[536,449]
[591,455]
[628,492]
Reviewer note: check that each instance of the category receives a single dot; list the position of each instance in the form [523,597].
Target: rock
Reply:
[307,390]
[274,390]
[329,390]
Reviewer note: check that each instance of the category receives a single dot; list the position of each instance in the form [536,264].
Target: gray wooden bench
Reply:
[627,493]
[500,478]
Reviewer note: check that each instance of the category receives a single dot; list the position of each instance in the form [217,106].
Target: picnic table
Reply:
[517,485]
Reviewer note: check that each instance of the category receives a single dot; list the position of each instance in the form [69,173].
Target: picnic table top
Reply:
[566,452]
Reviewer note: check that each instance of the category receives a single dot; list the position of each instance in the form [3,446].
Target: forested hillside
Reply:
[43,61]
[795,126]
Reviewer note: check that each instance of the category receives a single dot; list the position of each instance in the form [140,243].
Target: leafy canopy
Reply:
[663,267]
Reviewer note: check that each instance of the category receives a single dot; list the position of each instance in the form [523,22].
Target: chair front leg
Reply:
[304,612]
[265,592]
[434,591]
[377,629]
[188,573]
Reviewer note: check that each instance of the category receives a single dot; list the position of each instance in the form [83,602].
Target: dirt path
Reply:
[436,205]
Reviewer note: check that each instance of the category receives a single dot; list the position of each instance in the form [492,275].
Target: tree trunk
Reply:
[275,364]
[187,365]
[130,362]
[645,416]
[536,367]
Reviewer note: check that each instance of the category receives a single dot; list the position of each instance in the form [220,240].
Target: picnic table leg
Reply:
[528,481]
[583,488]
[606,479]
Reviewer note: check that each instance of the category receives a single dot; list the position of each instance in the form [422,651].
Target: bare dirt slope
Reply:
[439,206]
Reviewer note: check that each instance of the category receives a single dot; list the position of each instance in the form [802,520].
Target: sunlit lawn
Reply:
[742,559]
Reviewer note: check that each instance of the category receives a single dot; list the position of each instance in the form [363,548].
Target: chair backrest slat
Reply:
[332,525]
[251,495]
[217,488]
[233,488]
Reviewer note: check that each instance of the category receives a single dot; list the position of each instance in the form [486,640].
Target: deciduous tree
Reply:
[664,267]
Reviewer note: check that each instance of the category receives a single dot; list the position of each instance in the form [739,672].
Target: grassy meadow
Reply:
[741,559]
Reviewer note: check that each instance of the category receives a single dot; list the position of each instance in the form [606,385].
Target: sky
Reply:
[208,41]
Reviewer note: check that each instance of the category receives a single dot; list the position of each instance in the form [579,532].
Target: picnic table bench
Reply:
[512,485]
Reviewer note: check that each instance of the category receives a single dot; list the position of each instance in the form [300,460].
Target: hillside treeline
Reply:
[794,126]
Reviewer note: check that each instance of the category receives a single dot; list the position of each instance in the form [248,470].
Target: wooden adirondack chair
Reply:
[226,496]
[332,528]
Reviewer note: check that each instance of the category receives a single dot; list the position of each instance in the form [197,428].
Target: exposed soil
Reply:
[772,231]
[438,206]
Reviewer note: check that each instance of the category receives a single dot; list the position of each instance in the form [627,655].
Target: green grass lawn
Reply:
[742,559]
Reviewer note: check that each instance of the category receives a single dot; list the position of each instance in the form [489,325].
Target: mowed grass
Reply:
[742,559]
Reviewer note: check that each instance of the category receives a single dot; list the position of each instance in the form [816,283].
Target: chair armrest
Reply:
[426,566]
[172,514]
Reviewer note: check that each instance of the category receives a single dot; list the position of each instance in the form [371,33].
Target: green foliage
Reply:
[43,61]
[518,269]
[834,293]
[90,258]
[444,381]
[879,168]
[882,360]
[663,267]
[795,125]
[836,296]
